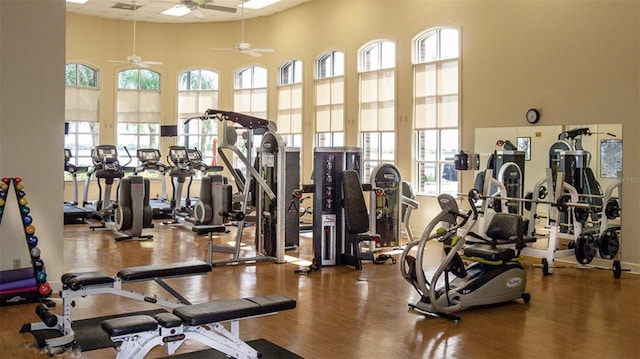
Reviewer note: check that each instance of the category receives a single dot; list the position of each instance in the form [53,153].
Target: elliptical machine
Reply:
[494,276]
[105,166]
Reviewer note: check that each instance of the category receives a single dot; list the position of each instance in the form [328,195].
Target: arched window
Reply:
[329,92]
[290,103]
[138,111]
[436,67]
[82,96]
[250,91]
[377,103]
[250,97]
[197,92]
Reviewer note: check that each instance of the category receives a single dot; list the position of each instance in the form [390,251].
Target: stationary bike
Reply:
[494,275]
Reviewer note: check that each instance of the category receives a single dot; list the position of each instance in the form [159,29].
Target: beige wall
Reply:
[577,61]
[32,35]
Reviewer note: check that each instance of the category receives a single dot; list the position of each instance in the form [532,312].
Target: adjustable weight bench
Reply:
[199,322]
[82,284]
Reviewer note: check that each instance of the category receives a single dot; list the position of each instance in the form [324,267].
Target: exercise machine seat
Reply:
[504,228]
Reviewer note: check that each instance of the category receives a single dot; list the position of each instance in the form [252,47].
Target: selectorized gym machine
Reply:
[262,185]
[494,275]
[335,240]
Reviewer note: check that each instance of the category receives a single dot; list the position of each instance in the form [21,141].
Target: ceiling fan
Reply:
[245,47]
[194,6]
[135,59]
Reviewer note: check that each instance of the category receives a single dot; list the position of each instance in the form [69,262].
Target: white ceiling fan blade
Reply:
[222,48]
[264,50]
[118,61]
[251,53]
[153,62]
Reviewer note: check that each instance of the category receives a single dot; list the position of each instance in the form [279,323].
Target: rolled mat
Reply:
[29,282]
[13,275]
[20,290]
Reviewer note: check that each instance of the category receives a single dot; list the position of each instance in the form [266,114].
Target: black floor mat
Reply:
[90,336]
[88,332]
[264,347]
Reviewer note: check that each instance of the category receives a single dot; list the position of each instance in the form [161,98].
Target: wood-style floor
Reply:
[345,313]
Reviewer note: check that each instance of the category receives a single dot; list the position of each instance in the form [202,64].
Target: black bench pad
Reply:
[76,281]
[129,325]
[489,253]
[224,310]
[168,320]
[206,229]
[164,270]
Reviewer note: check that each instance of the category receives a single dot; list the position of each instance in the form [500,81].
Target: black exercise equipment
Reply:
[150,162]
[138,334]
[82,284]
[107,167]
[133,212]
[356,220]
[73,213]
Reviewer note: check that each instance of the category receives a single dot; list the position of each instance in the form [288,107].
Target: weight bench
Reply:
[82,284]
[199,322]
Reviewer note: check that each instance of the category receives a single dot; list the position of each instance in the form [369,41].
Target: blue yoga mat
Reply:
[13,275]
[23,283]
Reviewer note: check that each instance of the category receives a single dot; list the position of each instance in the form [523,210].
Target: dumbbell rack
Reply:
[42,289]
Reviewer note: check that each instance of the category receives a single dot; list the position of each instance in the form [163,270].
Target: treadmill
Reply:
[150,161]
[74,214]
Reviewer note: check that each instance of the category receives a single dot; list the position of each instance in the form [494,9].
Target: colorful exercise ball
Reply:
[32,240]
[18,179]
[30,229]
[41,276]
[4,186]
[27,220]
[38,265]
[35,252]
[19,186]
[25,210]
[1,202]
[23,201]
[44,289]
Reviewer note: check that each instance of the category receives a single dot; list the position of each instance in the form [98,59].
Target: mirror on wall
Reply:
[603,142]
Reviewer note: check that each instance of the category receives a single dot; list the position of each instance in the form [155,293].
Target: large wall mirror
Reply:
[603,143]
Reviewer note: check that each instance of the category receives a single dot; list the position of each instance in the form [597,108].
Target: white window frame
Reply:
[194,98]
[377,61]
[138,109]
[82,103]
[436,69]
[329,99]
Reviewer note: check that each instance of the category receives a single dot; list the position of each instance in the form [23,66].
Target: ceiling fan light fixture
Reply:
[78,1]
[177,10]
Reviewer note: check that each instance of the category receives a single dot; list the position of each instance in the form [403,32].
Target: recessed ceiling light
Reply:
[78,1]
[258,4]
[178,10]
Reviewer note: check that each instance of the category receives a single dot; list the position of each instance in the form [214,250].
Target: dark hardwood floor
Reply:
[345,313]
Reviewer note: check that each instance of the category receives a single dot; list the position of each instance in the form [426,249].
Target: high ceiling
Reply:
[151,10]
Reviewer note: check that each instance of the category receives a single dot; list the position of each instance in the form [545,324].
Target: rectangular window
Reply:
[436,110]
